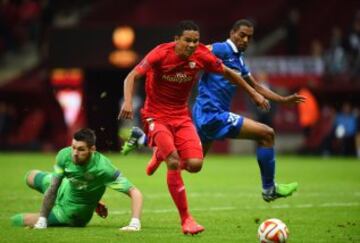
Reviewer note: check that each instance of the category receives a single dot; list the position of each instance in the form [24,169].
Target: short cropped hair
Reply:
[242,22]
[184,26]
[86,135]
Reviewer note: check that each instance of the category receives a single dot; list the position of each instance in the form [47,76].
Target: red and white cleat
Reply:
[189,226]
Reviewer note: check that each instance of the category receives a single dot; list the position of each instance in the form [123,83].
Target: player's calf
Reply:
[27,219]
[30,178]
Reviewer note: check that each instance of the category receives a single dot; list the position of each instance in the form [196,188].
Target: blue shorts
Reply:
[216,125]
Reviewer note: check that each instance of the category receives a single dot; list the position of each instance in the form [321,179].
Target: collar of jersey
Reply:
[91,160]
[232,45]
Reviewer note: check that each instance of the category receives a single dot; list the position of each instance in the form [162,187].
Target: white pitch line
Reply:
[335,204]
[251,195]
[324,205]
[305,206]
[231,208]
[171,210]
[216,195]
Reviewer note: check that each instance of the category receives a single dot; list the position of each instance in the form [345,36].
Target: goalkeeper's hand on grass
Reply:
[101,210]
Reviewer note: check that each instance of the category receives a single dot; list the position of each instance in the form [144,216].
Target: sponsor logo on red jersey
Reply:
[178,77]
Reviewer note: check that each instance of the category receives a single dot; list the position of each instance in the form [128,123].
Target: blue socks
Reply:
[266,161]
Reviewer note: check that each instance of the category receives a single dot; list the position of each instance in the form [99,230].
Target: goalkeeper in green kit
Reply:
[73,190]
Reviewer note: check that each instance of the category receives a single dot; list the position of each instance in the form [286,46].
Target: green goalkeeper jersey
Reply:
[84,186]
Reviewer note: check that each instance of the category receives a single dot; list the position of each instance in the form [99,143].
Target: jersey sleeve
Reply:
[114,179]
[212,64]
[110,172]
[120,183]
[59,167]
[219,50]
[243,68]
[149,61]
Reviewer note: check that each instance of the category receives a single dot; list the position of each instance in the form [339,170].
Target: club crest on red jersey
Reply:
[152,126]
[192,65]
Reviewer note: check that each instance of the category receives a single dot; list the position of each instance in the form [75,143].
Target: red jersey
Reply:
[169,78]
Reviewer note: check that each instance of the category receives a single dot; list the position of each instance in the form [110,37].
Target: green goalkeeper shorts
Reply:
[57,217]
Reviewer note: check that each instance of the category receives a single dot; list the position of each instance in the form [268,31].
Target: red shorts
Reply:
[174,135]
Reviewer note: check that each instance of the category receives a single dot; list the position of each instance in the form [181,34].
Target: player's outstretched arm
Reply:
[271,95]
[235,78]
[126,111]
[294,99]
[136,208]
[48,203]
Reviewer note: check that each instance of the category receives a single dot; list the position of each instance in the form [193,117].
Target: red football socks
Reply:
[177,191]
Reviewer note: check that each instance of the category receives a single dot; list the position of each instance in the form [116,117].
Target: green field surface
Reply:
[225,197]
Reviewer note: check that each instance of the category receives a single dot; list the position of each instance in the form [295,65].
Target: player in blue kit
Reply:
[214,121]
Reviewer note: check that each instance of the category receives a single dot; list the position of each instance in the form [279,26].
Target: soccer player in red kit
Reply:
[171,70]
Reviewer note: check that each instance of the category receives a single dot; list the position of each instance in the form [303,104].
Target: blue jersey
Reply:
[211,111]
[215,92]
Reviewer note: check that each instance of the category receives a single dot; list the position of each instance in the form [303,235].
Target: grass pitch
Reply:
[224,197]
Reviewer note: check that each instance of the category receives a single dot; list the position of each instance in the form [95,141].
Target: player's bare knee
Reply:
[134,192]
[194,165]
[138,192]
[30,178]
[173,161]
[173,164]
[269,136]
